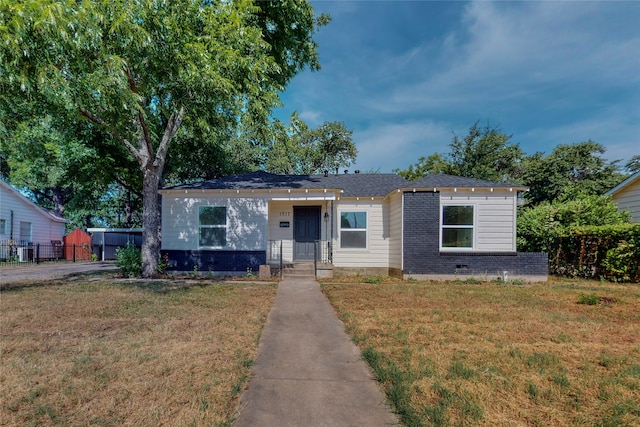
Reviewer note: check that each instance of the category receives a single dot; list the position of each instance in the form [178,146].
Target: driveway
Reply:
[52,271]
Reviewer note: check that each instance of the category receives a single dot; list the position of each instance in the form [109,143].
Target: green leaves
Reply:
[484,153]
[568,170]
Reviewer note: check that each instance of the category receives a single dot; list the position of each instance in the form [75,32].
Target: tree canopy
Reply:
[143,71]
[299,149]
[483,153]
[568,170]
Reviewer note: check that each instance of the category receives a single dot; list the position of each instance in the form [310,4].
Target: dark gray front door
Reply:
[306,230]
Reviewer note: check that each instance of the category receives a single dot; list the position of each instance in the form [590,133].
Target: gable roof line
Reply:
[42,211]
[351,185]
[623,184]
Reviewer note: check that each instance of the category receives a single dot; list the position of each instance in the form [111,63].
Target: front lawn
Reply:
[562,353]
[128,352]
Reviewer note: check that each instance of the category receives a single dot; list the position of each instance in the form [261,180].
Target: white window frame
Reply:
[473,227]
[224,226]
[365,229]
[3,226]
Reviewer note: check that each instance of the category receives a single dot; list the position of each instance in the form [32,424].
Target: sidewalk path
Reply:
[308,372]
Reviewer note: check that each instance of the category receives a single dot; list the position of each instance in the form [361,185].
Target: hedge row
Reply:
[611,252]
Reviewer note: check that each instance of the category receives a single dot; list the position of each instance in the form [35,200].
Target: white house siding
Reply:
[628,199]
[395,230]
[282,210]
[44,228]
[246,220]
[495,216]
[376,255]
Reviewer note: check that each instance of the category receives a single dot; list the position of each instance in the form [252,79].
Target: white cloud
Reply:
[506,51]
[615,127]
[391,146]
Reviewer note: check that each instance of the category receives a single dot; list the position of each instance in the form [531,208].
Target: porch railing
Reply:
[280,252]
[323,252]
[274,254]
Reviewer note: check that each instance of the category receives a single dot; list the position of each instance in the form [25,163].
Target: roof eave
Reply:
[623,184]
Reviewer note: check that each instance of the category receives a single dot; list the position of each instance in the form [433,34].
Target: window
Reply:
[3,226]
[353,230]
[213,226]
[457,227]
[25,231]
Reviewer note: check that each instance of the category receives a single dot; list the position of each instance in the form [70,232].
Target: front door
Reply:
[306,230]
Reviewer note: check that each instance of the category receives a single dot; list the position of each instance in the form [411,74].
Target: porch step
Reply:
[300,269]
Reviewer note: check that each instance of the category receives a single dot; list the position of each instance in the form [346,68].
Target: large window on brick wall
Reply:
[457,228]
[353,230]
[212,226]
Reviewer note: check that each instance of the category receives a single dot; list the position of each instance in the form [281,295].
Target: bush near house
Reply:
[611,252]
[584,237]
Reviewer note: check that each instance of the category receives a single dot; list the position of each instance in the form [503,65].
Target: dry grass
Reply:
[492,354]
[127,353]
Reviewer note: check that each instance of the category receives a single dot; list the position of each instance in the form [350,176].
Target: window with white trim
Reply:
[353,230]
[457,226]
[212,222]
[3,226]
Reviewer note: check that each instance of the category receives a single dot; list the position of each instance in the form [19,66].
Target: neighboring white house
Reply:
[440,226]
[627,196]
[24,223]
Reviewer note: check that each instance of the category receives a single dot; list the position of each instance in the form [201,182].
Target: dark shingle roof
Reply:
[441,180]
[353,185]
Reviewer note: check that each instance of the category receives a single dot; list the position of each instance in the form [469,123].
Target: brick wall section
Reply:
[421,213]
[422,254]
[227,261]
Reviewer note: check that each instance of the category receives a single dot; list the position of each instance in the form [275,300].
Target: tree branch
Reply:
[172,127]
[97,120]
[128,187]
[145,134]
[132,82]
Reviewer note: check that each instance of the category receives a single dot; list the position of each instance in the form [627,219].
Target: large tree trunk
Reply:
[152,167]
[150,223]
[152,172]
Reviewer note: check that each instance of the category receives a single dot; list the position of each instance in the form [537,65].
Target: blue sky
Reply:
[404,75]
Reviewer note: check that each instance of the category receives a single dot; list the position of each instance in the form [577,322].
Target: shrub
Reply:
[129,260]
[585,237]
[622,261]
[588,299]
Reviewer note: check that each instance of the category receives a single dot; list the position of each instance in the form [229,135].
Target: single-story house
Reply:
[441,226]
[627,196]
[23,224]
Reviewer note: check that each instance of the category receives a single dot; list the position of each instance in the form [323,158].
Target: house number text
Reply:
[285,213]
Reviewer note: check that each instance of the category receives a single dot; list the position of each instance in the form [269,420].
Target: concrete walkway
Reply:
[308,371]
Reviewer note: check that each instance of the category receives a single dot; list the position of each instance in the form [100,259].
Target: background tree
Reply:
[633,165]
[568,170]
[483,153]
[143,72]
[302,150]
[434,163]
[57,161]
